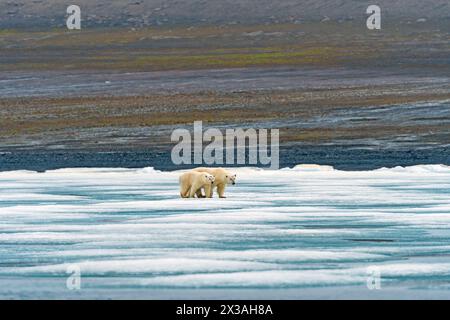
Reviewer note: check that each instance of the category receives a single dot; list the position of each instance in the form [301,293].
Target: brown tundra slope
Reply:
[339,93]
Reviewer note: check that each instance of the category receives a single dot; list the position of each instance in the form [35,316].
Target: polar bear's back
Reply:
[219,174]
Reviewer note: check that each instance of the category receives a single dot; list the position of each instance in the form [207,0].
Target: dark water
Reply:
[340,157]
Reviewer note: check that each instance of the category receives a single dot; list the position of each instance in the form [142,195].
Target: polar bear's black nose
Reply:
[234,183]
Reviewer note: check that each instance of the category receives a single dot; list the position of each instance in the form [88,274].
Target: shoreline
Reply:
[346,159]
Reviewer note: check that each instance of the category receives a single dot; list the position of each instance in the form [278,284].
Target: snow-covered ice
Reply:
[310,231]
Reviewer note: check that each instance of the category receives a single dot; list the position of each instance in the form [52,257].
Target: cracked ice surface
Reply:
[310,229]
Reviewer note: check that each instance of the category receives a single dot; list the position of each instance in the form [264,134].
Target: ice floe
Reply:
[308,226]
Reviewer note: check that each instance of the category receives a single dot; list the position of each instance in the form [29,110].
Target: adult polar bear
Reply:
[221,179]
[193,182]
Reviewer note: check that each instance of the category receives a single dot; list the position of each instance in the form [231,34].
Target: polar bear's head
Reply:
[231,179]
[208,178]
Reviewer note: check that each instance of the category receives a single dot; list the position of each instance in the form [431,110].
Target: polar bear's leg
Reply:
[184,191]
[221,190]
[199,193]
[193,191]
[208,191]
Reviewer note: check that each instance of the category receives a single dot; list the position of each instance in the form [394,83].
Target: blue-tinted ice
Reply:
[293,233]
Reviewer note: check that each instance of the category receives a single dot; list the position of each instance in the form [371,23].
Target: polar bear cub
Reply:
[222,179]
[193,182]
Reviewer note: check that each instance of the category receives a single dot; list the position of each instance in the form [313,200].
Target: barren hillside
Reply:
[42,13]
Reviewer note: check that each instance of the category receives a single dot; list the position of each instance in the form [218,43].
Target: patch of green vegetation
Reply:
[7,32]
[239,59]
[183,48]
[174,60]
